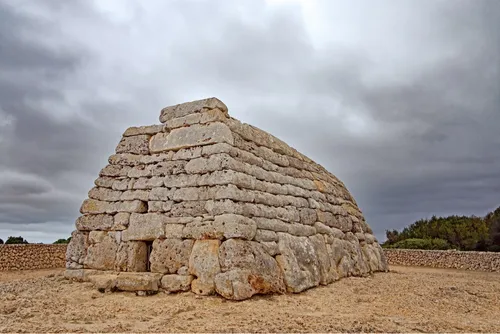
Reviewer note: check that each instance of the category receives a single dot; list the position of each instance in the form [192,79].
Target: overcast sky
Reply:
[399,99]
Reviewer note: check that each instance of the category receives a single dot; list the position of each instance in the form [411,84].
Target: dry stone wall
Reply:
[32,256]
[205,203]
[481,261]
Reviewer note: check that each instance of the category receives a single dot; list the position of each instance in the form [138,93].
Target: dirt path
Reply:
[405,300]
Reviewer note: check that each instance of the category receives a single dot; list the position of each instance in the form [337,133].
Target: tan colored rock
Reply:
[101,255]
[169,255]
[195,135]
[77,248]
[143,130]
[131,256]
[187,108]
[176,283]
[138,281]
[209,116]
[204,265]
[147,226]
[101,222]
[299,262]
[135,144]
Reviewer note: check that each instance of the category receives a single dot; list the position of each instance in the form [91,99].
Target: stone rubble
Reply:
[205,203]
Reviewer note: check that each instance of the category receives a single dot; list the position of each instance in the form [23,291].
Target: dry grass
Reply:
[405,300]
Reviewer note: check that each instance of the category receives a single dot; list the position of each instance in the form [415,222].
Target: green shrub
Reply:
[62,241]
[15,240]
[435,244]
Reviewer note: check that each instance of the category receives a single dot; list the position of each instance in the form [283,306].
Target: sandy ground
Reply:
[405,300]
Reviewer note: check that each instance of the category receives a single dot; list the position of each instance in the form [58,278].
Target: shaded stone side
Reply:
[32,256]
[225,207]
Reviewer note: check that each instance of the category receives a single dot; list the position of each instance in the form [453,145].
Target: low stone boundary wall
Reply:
[480,261]
[32,256]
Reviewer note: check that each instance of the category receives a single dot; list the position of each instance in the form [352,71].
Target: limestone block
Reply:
[131,206]
[105,181]
[161,194]
[307,216]
[360,236]
[209,116]
[369,238]
[121,221]
[187,108]
[148,226]
[265,235]
[97,236]
[204,265]
[160,206]
[188,153]
[135,144]
[186,194]
[275,225]
[80,275]
[143,130]
[234,193]
[169,255]
[181,181]
[158,157]
[114,171]
[248,270]
[195,135]
[299,262]
[101,222]
[271,247]
[174,231]
[140,171]
[77,247]
[104,194]
[168,168]
[301,230]
[236,226]
[138,281]
[176,283]
[101,255]
[122,184]
[326,274]
[191,208]
[148,183]
[131,256]
[213,163]
[105,282]
[131,195]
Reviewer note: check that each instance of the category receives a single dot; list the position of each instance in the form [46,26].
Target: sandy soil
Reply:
[405,300]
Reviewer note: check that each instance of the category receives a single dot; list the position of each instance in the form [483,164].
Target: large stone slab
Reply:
[145,227]
[101,222]
[131,256]
[247,270]
[138,281]
[169,255]
[101,255]
[77,250]
[204,265]
[299,262]
[183,109]
[195,135]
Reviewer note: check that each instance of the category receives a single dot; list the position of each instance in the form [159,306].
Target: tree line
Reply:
[466,233]
[20,240]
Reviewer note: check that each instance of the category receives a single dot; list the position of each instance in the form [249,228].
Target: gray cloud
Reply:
[400,101]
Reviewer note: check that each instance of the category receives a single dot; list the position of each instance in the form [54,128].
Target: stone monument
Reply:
[205,203]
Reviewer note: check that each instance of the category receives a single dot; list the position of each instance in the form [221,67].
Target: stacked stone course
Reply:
[208,204]
[31,256]
[478,261]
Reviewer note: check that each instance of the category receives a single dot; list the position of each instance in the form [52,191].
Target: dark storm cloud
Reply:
[418,142]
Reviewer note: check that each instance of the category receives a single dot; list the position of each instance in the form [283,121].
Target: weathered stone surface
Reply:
[104,194]
[121,221]
[148,226]
[160,206]
[169,255]
[224,226]
[77,248]
[92,206]
[106,282]
[265,235]
[209,116]
[176,283]
[131,256]
[100,222]
[101,255]
[143,130]
[114,171]
[183,109]
[247,270]
[204,265]
[136,145]
[138,281]
[195,135]
[299,262]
